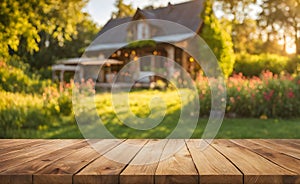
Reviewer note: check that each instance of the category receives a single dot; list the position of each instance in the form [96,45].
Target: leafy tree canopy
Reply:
[218,39]
[281,15]
[123,10]
[24,20]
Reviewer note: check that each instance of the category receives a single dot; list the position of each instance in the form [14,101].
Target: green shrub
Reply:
[254,65]
[28,111]
[218,39]
[293,65]
[65,104]
[15,76]
[21,111]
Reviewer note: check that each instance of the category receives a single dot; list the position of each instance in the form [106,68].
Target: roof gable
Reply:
[187,14]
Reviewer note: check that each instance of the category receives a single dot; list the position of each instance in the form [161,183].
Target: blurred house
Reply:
[119,50]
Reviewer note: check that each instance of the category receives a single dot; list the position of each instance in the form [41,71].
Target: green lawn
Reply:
[231,128]
[139,105]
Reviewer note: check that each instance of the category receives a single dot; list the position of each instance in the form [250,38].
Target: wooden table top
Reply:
[75,161]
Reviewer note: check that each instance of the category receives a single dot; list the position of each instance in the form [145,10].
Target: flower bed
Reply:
[266,96]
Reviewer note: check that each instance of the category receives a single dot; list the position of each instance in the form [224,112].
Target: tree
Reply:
[245,37]
[50,49]
[241,16]
[218,39]
[237,11]
[23,21]
[123,10]
[283,16]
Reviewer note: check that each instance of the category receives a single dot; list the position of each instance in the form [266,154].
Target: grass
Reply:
[139,105]
[231,128]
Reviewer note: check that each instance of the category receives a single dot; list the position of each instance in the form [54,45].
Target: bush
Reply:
[269,95]
[17,78]
[28,111]
[254,65]
[293,65]
[21,111]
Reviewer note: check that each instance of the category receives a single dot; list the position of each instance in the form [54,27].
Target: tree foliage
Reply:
[24,20]
[237,11]
[50,49]
[123,10]
[281,15]
[218,39]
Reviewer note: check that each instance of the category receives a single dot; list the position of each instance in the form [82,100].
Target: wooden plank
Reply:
[291,151]
[178,168]
[255,168]
[212,166]
[33,153]
[25,171]
[281,159]
[4,143]
[14,146]
[62,171]
[104,170]
[288,142]
[143,166]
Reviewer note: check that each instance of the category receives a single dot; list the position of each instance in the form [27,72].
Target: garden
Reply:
[261,66]
[263,106]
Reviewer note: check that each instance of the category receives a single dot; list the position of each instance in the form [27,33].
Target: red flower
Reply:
[291,94]
[269,95]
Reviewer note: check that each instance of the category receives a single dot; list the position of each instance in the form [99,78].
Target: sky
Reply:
[100,10]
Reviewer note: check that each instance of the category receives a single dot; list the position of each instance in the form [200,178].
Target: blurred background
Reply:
[257,42]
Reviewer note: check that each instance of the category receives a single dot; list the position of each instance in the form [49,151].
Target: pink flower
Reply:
[267,75]
[291,94]
[269,95]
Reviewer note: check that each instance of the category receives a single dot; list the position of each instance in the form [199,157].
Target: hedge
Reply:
[254,65]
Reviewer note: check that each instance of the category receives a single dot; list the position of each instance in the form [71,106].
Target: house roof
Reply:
[88,61]
[187,14]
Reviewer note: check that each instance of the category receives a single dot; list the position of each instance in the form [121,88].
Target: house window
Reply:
[143,31]
[130,35]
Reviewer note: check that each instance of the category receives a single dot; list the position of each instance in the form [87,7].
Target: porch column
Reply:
[61,78]
[171,59]
[152,63]
[185,66]
[54,75]
[184,61]
[81,73]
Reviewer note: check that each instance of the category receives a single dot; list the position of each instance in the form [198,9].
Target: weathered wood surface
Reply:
[149,161]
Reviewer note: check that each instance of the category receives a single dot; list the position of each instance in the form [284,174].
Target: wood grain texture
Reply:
[255,168]
[18,148]
[178,167]
[143,166]
[24,172]
[212,166]
[24,156]
[288,142]
[149,161]
[15,144]
[283,160]
[283,148]
[105,170]
[62,171]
